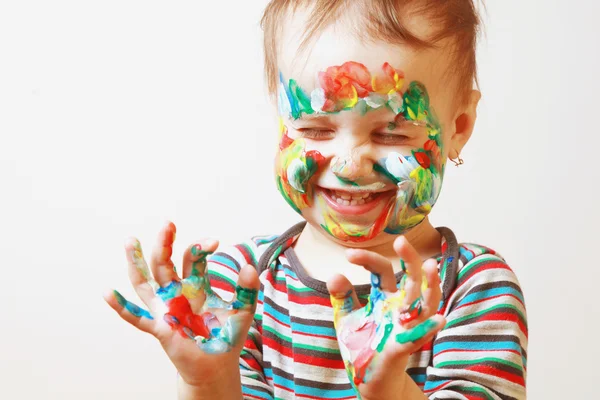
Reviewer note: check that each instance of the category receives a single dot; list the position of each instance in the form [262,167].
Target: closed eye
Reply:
[390,139]
[316,133]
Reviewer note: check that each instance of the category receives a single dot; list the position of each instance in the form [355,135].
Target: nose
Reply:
[352,166]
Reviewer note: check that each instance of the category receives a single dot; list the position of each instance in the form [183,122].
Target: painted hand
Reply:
[196,328]
[376,340]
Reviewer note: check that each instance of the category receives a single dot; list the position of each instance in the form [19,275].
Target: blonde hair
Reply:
[383,19]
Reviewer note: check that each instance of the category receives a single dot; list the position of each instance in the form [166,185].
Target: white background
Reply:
[118,115]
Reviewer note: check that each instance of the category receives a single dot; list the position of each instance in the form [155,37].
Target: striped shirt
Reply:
[292,352]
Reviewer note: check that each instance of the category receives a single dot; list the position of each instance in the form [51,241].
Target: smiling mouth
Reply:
[356,202]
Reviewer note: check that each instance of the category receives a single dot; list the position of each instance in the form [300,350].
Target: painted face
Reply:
[355,185]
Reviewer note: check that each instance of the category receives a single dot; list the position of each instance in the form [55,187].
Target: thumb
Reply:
[343,297]
[246,291]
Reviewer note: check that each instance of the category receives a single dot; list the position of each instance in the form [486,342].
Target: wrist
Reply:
[228,388]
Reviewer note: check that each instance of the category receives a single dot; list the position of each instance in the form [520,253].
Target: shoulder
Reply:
[480,263]
[485,280]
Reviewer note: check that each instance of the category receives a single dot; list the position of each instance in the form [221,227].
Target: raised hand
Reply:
[376,340]
[202,334]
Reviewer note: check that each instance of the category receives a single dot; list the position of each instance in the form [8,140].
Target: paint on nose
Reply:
[345,167]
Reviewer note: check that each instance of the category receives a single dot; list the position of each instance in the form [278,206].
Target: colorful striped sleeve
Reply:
[223,271]
[482,351]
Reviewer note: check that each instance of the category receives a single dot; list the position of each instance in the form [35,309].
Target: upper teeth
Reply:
[347,199]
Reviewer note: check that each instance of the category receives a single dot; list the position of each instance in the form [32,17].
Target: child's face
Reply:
[365,132]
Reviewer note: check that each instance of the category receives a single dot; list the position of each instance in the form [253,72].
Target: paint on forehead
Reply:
[344,87]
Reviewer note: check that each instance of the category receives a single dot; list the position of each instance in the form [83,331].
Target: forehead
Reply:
[339,43]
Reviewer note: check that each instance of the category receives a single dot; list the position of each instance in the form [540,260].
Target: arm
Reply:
[483,348]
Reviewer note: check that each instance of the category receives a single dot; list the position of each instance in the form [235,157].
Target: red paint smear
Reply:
[409,316]
[375,229]
[361,337]
[316,156]
[423,159]
[363,360]
[286,141]
[179,307]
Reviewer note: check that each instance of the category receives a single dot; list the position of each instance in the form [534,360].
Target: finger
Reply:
[412,264]
[343,297]
[139,274]
[246,291]
[432,295]
[131,313]
[376,264]
[194,258]
[424,306]
[161,265]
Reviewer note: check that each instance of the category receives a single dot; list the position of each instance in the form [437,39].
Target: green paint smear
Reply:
[302,99]
[347,181]
[199,252]
[286,197]
[403,265]
[386,334]
[416,333]
[247,297]
[380,169]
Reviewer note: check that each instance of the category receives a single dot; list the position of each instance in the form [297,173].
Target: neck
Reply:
[316,250]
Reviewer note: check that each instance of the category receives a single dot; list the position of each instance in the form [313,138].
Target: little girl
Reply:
[365,298]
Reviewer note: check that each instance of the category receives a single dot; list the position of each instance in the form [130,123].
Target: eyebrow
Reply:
[312,117]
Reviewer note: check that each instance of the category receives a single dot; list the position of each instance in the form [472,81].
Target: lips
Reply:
[354,203]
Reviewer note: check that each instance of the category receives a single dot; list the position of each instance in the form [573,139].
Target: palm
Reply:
[376,339]
[196,328]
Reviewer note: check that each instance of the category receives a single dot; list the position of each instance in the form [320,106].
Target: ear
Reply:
[464,122]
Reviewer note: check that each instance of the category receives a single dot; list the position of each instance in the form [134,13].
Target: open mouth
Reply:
[354,202]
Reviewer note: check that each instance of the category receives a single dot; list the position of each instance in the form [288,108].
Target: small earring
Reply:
[459,162]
